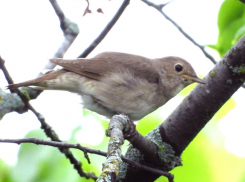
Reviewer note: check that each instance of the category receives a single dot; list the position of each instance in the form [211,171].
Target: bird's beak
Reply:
[194,78]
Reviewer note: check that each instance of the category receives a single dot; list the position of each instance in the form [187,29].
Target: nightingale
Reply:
[118,83]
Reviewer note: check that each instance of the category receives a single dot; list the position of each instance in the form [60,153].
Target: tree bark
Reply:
[182,126]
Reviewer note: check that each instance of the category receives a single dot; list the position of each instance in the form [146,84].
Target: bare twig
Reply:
[70,30]
[89,150]
[105,31]
[47,129]
[159,8]
[58,10]
[10,81]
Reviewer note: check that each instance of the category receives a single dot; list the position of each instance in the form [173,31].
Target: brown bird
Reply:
[112,83]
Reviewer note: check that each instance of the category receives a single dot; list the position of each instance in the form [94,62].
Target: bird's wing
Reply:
[80,66]
[110,62]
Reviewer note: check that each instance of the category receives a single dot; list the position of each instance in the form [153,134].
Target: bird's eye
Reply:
[178,67]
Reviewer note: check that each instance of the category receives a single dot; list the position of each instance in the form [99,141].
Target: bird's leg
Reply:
[130,129]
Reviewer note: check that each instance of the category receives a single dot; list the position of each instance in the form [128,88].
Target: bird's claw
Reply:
[130,131]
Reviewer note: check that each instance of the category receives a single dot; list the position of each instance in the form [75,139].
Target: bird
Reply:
[118,83]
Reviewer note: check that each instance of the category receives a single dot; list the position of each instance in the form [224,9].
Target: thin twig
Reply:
[89,150]
[105,31]
[10,81]
[70,30]
[58,10]
[159,8]
[47,129]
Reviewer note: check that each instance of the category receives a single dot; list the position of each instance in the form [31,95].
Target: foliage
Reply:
[5,173]
[231,25]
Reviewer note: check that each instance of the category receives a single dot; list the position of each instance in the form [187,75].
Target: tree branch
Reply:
[164,158]
[204,101]
[9,103]
[110,168]
[70,31]
[121,126]
[182,126]
[159,8]
[85,149]
[47,128]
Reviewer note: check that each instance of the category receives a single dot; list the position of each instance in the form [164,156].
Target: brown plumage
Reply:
[102,64]
[113,83]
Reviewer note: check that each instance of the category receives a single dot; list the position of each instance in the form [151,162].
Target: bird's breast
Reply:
[120,93]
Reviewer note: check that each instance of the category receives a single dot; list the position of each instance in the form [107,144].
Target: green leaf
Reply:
[230,11]
[231,20]
[229,36]
[5,174]
[212,46]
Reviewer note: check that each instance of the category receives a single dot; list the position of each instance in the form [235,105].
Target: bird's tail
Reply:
[33,82]
[37,81]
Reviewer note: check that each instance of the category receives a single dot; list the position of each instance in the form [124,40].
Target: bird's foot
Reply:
[130,130]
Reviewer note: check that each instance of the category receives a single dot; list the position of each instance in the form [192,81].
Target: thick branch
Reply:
[165,155]
[113,160]
[205,100]
[121,126]
[202,48]
[180,128]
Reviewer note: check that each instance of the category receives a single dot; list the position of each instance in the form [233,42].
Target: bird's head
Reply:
[176,73]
